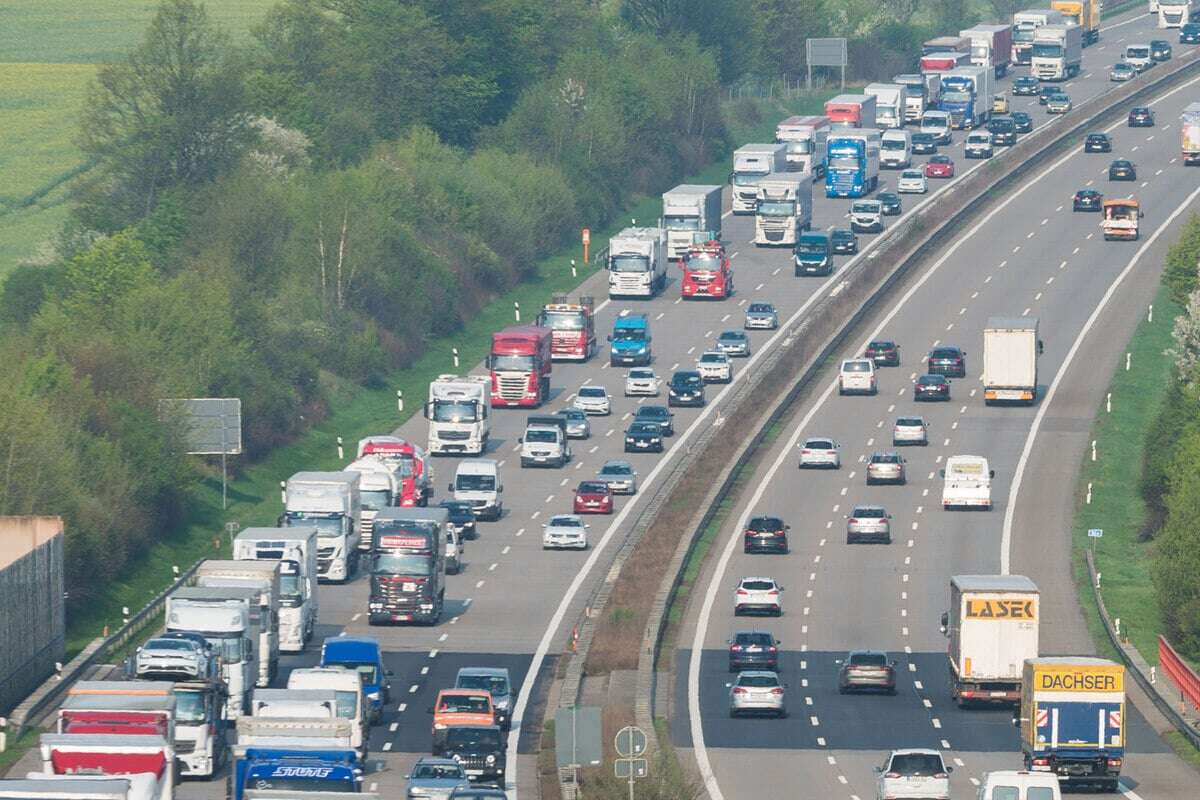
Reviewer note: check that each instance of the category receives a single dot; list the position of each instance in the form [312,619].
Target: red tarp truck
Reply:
[572,326]
[851,111]
[408,461]
[520,363]
[104,754]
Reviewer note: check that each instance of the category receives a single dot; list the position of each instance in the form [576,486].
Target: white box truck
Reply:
[805,138]
[378,487]
[784,208]
[458,416]
[224,620]
[1057,52]
[329,502]
[1025,24]
[637,262]
[295,550]
[891,100]
[992,626]
[991,46]
[1190,136]
[752,163]
[263,577]
[967,483]
[1010,354]
[690,211]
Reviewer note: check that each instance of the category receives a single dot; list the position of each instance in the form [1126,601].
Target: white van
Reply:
[477,482]
[968,483]
[895,149]
[1138,56]
[937,123]
[346,686]
[1019,785]
[857,376]
[978,144]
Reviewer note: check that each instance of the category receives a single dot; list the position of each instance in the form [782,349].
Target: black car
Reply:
[1160,50]
[1141,117]
[1097,143]
[686,389]
[931,387]
[1122,170]
[1190,33]
[884,352]
[478,748]
[766,535]
[753,650]
[1022,122]
[843,241]
[644,437]
[1003,131]
[890,202]
[1087,200]
[1046,92]
[1025,85]
[461,517]
[924,144]
[660,414]
[948,361]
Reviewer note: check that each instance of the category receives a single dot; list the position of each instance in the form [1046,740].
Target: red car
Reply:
[939,166]
[593,497]
[884,353]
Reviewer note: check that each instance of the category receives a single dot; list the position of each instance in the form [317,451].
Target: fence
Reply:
[1177,670]
[32,627]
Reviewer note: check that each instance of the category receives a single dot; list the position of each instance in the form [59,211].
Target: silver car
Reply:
[642,382]
[910,430]
[757,595]
[757,692]
[885,468]
[593,400]
[820,451]
[435,778]
[620,476]
[869,523]
[912,181]
[761,316]
[578,425]
[1058,104]
[913,773]
[734,343]
[565,531]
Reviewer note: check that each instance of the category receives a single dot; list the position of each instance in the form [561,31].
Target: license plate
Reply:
[475,772]
[999,694]
[754,649]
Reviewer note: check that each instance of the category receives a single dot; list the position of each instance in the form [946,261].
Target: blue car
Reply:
[363,654]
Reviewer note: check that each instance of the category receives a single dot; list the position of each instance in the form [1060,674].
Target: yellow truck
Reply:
[1085,14]
[1120,220]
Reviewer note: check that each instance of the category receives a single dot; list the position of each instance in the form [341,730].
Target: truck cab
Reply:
[459,414]
[707,272]
[637,262]
[329,502]
[379,487]
[477,481]
[752,163]
[349,701]
[295,549]
[784,209]
[1121,219]
[520,365]
[362,654]
[408,566]
[968,483]
[813,254]
[805,139]
[572,326]
[544,442]
[630,340]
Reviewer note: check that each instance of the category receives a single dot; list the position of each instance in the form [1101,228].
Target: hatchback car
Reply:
[657,414]
[1141,117]
[578,425]
[766,535]
[923,144]
[885,468]
[999,104]
[753,650]
[931,387]
[1097,143]
[1189,33]
[461,517]
[857,376]
[593,400]
[757,596]
[642,382]
[912,181]
[565,531]
[433,778]
[1046,92]
[1058,104]
[939,166]
[686,389]
[843,241]
[868,524]
[890,202]
[1022,122]
[715,367]
[820,451]
[761,316]
[1003,131]
[867,669]
[644,437]
[1160,50]
[1121,72]
[948,361]
[1122,170]
[884,352]
[1087,200]
[734,343]
[866,216]
[593,497]
[620,476]
[757,692]
[1025,86]
[914,773]
[910,430]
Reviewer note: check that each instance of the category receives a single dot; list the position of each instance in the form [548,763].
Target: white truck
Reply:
[1057,52]
[225,623]
[805,139]
[329,502]
[1025,24]
[992,626]
[295,550]
[1190,136]
[144,759]
[307,701]
[991,46]
[349,701]
[300,733]
[1010,354]
[262,577]
[921,91]
[784,208]
[967,483]
[1173,13]
[39,786]
[752,163]
[459,420]
[895,149]
[378,487]
[637,262]
[891,101]
[690,211]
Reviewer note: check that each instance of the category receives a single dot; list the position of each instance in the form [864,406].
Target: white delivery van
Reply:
[1019,785]
[477,481]
[895,149]
[968,483]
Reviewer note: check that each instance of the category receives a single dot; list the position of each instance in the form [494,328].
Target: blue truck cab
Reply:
[297,770]
[363,654]
[630,340]
[813,254]
[959,101]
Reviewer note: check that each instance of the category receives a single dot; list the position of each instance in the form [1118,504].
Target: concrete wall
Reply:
[32,620]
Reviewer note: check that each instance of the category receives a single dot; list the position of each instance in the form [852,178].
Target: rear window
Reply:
[819,444]
[943,353]
[885,458]
[758,586]
[930,380]
[766,524]
[754,639]
[910,422]
[758,681]
[881,345]
[856,366]
[917,764]
[868,660]
[869,513]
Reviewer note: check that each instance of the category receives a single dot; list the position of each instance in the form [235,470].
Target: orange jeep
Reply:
[462,707]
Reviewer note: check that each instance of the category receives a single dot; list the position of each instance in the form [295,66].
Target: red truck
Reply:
[707,272]
[409,462]
[573,328]
[851,111]
[116,714]
[93,754]
[944,62]
[520,363]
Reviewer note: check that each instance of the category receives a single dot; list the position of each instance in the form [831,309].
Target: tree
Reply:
[170,113]
[1177,558]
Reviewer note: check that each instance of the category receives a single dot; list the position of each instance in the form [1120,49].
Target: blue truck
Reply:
[967,96]
[630,340]
[296,769]
[1072,720]
[363,654]
[852,163]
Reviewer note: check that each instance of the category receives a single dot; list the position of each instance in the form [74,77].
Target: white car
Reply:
[757,692]
[910,430]
[565,531]
[857,376]
[912,181]
[866,216]
[758,595]
[715,367]
[642,382]
[593,400]
[820,451]
[915,773]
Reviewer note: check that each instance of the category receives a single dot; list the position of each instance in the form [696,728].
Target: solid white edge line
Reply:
[1044,405]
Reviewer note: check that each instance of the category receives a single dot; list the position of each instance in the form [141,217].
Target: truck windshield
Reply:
[747,178]
[776,209]
[702,262]
[189,706]
[541,435]
[326,526]
[454,411]
[290,592]
[375,499]
[799,147]
[629,334]
[956,97]
[681,223]
[1021,34]
[1047,50]
[475,483]
[229,648]
[843,163]
[629,264]
[562,320]
[512,363]
[402,564]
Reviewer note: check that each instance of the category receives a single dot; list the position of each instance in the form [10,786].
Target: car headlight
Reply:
[628,440]
[490,760]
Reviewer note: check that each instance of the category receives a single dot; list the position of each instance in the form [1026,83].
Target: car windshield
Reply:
[868,659]
[438,772]
[617,469]
[687,379]
[888,197]
[481,738]
[940,160]
[629,334]
[856,366]
[752,639]
[758,585]
[653,412]
[464,704]
[761,308]
[869,512]
[712,358]
[819,444]
[843,162]
[641,374]
[893,144]
[1137,52]
[593,391]
[593,487]
[865,208]
[457,511]
[732,336]
[498,686]
[758,681]
[541,435]
[766,524]
[842,235]
[917,764]
[563,521]
[644,429]
[169,644]
[924,138]
[812,245]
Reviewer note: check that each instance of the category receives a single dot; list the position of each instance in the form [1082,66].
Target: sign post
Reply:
[210,426]
[587,240]
[1094,534]
[630,745]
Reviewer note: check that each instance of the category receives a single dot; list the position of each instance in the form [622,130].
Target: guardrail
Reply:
[1177,670]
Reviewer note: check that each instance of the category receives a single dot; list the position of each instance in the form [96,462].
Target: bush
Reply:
[1177,557]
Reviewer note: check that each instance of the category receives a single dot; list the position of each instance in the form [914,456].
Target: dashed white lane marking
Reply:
[1063,265]
[1025,313]
[974,295]
[1037,296]
[373,787]
[356,617]
[937,723]
[1030,235]
[433,653]
[945,744]
[726,317]
[815,722]
[1017,249]
[691,350]
[963,310]
[413,689]
[564,482]
[842,779]
[424,670]
[549,498]
[1004,263]
[988,279]
[595,447]
[504,551]
[661,314]
[927,702]
[918,685]
[830,759]
[958,762]
[577,466]
[975,781]
[394,727]
[758,288]
[492,568]
[610,432]
[443,637]
[1050,280]
[820,741]
[387,745]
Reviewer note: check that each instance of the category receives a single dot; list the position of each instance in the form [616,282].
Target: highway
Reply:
[1028,257]
[515,604]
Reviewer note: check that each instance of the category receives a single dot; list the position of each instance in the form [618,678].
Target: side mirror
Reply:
[945,620]
[449,487]
[389,673]
[1016,722]
[991,473]
[879,769]
[942,472]
[729,686]
[499,490]
[837,661]
[610,337]
[520,440]
[545,524]
[430,711]
[949,770]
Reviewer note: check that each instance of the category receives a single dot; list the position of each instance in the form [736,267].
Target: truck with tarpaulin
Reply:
[1121,217]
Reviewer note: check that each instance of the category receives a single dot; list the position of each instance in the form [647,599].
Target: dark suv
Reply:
[461,517]
[884,352]
[1190,33]
[479,748]
[766,535]
[1003,131]
[660,414]
[1160,49]
[753,650]
[1097,143]
[948,361]
[686,389]
[1025,85]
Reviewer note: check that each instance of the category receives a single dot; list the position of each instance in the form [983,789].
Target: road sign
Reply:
[826,52]
[630,742]
[631,768]
[578,737]
[1096,533]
